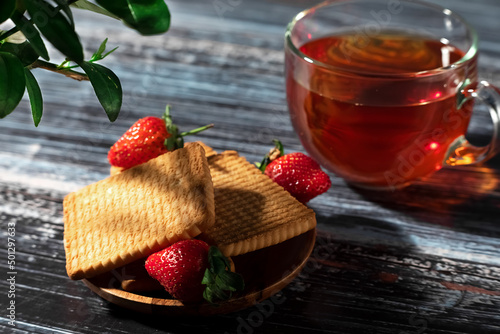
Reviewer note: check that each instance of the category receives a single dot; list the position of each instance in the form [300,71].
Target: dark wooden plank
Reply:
[435,289]
[380,278]
[422,260]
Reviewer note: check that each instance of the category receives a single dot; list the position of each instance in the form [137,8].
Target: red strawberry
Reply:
[299,174]
[146,139]
[191,270]
[180,269]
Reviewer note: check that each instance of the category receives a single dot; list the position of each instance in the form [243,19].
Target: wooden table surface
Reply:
[422,260]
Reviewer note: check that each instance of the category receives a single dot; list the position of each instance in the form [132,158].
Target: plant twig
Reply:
[54,68]
[8,33]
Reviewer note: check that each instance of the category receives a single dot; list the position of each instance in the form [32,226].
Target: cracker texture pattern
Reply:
[113,170]
[251,211]
[137,212]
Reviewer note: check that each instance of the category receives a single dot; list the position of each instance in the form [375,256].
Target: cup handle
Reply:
[461,152]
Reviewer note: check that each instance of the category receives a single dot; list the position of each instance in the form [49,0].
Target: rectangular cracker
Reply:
[251,210]
[208,152]
[137,212]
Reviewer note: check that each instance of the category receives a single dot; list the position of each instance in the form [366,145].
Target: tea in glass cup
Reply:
[381,92]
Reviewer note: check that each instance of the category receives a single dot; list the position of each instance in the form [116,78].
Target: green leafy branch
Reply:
[22,48]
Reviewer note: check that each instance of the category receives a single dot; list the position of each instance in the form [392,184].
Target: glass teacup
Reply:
[381,92]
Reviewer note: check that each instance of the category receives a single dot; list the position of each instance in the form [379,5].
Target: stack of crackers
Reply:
[192,192]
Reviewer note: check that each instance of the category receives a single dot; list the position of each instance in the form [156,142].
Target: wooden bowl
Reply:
[265,272]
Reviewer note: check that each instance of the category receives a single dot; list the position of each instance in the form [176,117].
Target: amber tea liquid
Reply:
[383,130]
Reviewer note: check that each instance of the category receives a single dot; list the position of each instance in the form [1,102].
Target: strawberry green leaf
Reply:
[218,262]
[176,139]
[12,84]
[217,265]
[219,279]
[274,153]
[208,278]
[229,281]
[107,87]
[172,142]
[148,17]
[35,96]
[32,34]
[279,146]
[214,294]
[56,27]
[7,7]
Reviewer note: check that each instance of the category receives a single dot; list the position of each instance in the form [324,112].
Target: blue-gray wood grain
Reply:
[423,260]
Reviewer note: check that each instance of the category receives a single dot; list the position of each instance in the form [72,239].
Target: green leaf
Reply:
[276,152]
[212,295]
[219,278]
[98,54]
[56,28]
[102,47]
[35,95]
[148,17]
[7,7]
[172,142]
[229,281]
[208,277]
[217,265]
[218,262]
[32,34]
[108,53]
[107,87]
[24,51]
[12,83]
[87,5]
[279,146]
[63,4]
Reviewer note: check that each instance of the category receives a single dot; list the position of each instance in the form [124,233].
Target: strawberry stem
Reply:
[194,131]
[278,146]
[176,140]
[276,152]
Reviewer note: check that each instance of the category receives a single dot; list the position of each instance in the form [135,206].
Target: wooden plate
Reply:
[265,273]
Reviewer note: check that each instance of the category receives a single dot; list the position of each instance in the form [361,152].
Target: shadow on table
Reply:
[365,274]
[177,324]
[374,278]
[465,199]
[366,278]
[340,274]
